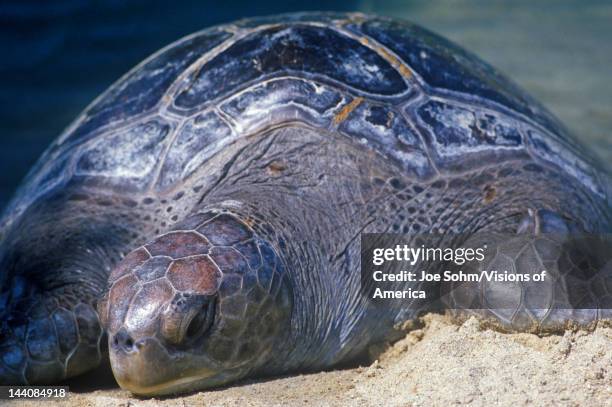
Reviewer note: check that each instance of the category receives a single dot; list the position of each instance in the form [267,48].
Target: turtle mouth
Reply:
[180,385]
[149,370]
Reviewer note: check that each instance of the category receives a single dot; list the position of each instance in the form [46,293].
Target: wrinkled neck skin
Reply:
[312,194]
[304,193]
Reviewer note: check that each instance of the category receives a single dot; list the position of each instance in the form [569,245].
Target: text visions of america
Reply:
[459,256]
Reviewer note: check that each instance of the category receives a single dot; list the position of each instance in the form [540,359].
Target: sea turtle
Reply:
[213,198]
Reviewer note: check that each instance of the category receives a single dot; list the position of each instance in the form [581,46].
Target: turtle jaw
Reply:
[176,386]
[147,369]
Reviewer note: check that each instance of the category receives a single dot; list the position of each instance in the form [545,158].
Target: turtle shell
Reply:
[397,89]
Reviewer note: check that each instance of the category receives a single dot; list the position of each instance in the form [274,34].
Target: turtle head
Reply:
[196,308]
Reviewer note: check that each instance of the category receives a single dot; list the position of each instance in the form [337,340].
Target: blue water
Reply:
[57,56]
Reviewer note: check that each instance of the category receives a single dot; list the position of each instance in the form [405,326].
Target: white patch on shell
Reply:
[457,130]
[132,153]
[387,132]
[553,151]
[197,140]
[282,100]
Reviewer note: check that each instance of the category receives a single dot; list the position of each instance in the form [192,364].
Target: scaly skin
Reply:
[54,274]
[166,296]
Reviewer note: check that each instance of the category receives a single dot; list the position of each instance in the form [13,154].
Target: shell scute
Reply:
[444,65]
[197,140]
[129,156]
[283,100]
[556,152]
[143,87]
[460,136]
[386,131]
[300,48]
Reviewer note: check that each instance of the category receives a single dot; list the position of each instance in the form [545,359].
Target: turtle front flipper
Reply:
[43,341]
[573,269]
[54,264]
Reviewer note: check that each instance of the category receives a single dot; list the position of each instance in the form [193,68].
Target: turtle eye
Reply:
[201,321]
[187,317]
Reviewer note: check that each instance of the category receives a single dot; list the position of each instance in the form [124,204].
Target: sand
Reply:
[439,364]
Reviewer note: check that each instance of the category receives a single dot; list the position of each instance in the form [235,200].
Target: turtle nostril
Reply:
[123,342]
